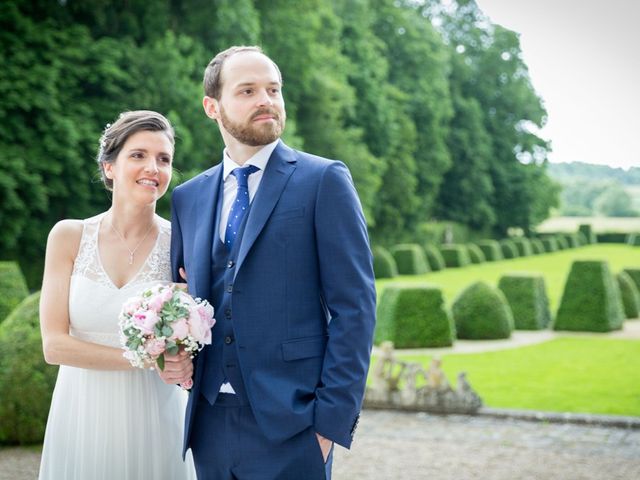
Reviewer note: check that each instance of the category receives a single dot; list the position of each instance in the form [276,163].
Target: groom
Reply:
[276,240]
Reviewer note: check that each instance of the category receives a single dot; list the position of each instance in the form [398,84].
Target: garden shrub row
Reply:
[527,297]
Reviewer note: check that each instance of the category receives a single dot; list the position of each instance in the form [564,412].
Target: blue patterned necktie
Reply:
[240,205]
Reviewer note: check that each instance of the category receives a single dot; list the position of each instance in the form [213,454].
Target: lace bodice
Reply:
[94,301]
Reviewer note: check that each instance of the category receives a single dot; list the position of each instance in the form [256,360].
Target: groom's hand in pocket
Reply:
[177,368]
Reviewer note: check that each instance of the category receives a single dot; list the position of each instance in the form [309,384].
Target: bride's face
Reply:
[142,170]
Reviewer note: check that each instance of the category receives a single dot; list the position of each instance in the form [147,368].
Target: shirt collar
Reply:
[259,159]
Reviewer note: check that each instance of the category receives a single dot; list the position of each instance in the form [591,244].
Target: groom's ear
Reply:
[210,105]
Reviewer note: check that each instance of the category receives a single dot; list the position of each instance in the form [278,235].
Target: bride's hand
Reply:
[177,368]
[183,275]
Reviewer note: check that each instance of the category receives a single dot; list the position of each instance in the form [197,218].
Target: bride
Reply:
[107,419]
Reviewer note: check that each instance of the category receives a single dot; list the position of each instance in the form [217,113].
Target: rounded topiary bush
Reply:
[413,316]
[481,312]
[528,300]
[630,295]
[26,381]
[434,258]
[384,266]
[491,250]
[523,245]
[13,288]
[410,259]
[587,231]
[634,273]
[634,239]
[509,249]
[591,300]
[475,254]
[562,242]
[537,246]
[572,239]
[455,255]
[550,244]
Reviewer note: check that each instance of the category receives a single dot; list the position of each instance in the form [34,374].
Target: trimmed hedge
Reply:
[591,301]
[612,237]
[26,381]
[413,316]
[491,250]
[475,254]
[634,273]
[384,266]
[410,259]
[13,288]
[509,249]
[523,245]
[630,295]
[563,244]
[634,239]
[582,239]
[587,231]
[528,300]
[481,312]
[434,258]
[537,246]
[455,255]
[572,239]
[550,244]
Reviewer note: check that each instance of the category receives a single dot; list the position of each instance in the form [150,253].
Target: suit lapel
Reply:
[204,213]
[279,168]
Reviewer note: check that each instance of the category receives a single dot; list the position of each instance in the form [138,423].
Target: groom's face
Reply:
[251,107]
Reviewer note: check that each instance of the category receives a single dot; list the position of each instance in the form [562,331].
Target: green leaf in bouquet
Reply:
[133,343]
[167,331]
[172,348]
[160,361]
[157,330]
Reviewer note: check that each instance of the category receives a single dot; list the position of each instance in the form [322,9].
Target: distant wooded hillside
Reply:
[586,171]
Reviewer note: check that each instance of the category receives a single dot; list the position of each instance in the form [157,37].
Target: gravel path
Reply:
[395,445]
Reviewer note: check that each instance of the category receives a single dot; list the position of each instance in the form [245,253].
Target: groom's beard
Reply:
[252,134]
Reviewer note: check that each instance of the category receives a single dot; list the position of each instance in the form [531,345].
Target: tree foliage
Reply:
[431,108]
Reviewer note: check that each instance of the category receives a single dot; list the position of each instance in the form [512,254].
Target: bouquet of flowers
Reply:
[161,320]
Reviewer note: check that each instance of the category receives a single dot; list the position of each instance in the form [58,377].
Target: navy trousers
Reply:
[227,444]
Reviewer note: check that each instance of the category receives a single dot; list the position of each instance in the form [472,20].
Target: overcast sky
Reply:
[584,61]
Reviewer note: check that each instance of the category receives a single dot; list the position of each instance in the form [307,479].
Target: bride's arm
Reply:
[59,347]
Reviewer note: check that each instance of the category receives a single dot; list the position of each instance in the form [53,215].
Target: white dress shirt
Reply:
[230,187]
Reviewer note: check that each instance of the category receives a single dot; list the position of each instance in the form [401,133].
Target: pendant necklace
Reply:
[131,252]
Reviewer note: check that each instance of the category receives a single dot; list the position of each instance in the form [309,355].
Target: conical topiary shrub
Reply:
[13,288]
[630,295]
[563,244]
[413,316]
[634,273]
[587,231]
[384,266]
[481,312]
[434,258]
[26,381]
[591,301]
[410,259]
[528,300]
[491,250]
[634,239]
[550,244]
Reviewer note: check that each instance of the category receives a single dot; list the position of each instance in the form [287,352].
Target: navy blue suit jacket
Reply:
[303,295]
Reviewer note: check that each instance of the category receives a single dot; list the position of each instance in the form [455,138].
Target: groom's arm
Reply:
[348,290]
[177,255]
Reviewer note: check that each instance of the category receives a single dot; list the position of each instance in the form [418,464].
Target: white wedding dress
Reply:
[124,425]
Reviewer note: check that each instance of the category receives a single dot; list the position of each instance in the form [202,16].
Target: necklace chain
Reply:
[131,252]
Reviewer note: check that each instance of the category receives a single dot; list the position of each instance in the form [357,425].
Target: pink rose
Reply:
[166,294]
[156,303]
[180,329]
[206,313]
[145,320]
[131,305]
[199,328]
[154,347]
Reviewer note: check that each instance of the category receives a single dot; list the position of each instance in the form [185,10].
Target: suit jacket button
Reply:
[227,313]
[230,264]
[228,339]
[229,288]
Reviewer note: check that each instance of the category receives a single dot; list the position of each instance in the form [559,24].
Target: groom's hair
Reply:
[212,74]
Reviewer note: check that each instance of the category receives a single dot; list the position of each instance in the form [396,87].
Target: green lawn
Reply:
[553,266]
[588,375]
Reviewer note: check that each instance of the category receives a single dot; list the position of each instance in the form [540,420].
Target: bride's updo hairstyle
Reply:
[116,134]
